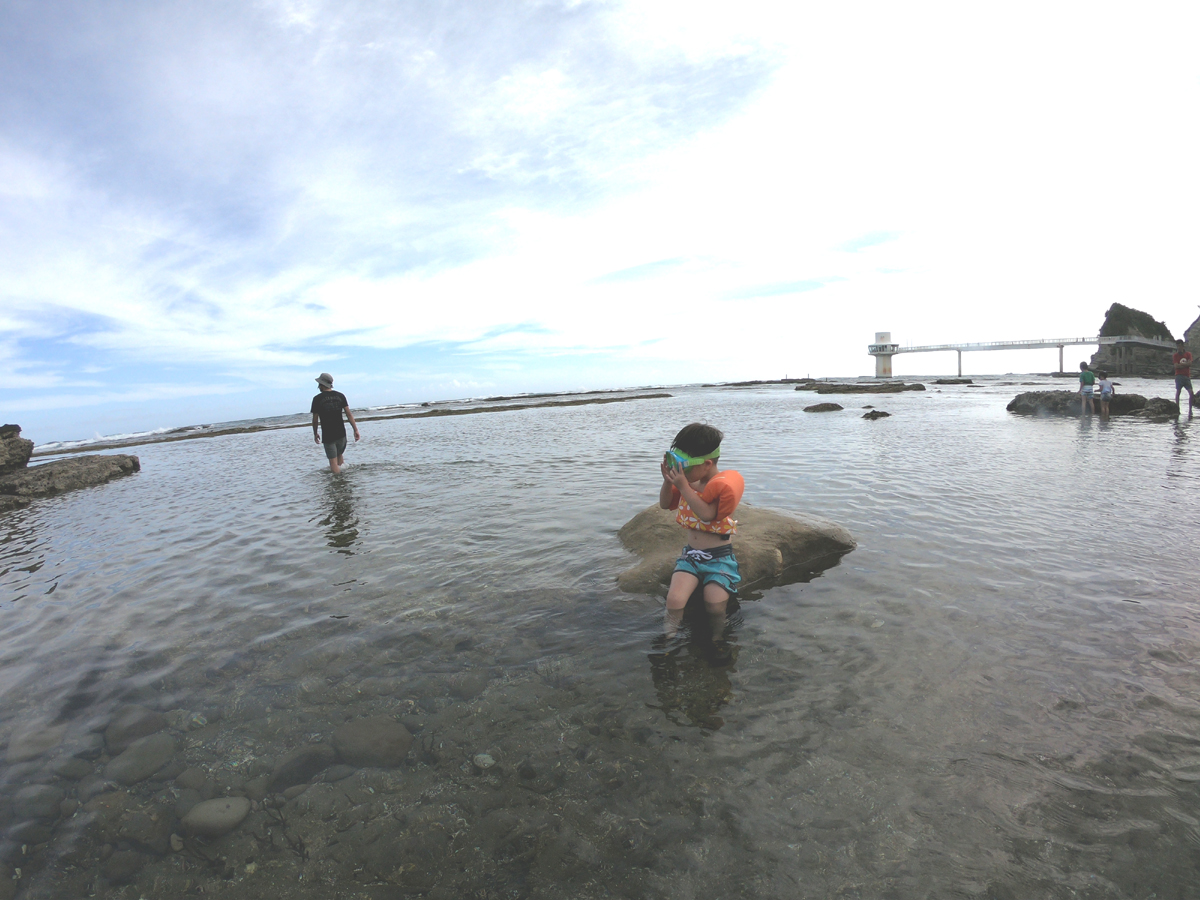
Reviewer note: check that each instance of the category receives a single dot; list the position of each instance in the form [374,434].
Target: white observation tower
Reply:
[883,349]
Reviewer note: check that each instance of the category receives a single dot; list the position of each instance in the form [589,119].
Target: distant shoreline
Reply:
[254,429]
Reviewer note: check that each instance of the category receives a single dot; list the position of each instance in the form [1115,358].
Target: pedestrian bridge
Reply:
[883,349]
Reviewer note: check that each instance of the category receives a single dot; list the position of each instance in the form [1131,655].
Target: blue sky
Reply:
[204,204]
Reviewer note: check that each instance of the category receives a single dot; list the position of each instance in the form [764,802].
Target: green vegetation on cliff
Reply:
[1123,320]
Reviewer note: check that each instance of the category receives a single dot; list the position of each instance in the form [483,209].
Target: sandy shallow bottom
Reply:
[994,696]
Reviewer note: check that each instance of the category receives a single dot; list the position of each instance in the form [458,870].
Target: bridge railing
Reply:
[1032,344]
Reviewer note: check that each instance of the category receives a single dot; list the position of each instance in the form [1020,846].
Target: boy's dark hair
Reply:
[1083,367]
[697,439]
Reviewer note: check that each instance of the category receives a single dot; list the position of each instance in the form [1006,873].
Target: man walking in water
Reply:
[327,407]
[1182,360]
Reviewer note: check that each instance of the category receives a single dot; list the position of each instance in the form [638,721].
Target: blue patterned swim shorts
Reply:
[717,565]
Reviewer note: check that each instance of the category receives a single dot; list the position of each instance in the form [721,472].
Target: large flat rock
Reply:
[1069,403]
[66,475]
[771,548]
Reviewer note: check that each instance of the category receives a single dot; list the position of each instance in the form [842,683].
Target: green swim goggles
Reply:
[677,459]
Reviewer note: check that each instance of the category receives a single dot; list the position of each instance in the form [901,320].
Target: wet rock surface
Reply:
[1069,403]
[65,475]
[824,407]
[141,759]
[213,818]
[768,544]
[378,741]
[876,414]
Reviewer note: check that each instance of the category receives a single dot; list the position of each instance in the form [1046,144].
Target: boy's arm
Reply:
[350,416]
[316,435]
[705,512]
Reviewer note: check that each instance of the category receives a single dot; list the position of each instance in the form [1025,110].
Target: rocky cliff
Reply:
[1143,362]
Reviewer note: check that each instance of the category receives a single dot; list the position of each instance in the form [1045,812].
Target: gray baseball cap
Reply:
[325,379]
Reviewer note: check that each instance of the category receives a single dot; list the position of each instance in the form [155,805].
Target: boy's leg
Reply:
[683,585]
[716,599]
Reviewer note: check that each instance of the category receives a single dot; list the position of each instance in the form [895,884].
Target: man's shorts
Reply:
[1087,392]
[1183,382]
[336,449]
[717,565]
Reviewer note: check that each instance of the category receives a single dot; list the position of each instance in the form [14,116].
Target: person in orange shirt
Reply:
[705,498]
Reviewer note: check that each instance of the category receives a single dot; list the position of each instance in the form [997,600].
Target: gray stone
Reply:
[72,768]
[38,801]
[193,778]
[376,741]
[66,474]
[144,757]
[824,407]
[93,786]
[188,798]
[148,830]
[123,866]
[34,742]
[14,449]
[876,414]
[468,685]
[213,818]
[129,724]
[770,547]
[300,765]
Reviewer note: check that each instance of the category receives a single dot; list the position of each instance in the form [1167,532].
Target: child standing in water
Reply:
[705,498]
[1106,393]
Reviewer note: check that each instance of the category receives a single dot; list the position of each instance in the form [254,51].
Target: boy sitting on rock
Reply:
[706,499]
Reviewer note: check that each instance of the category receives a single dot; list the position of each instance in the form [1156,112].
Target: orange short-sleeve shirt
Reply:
[725,489]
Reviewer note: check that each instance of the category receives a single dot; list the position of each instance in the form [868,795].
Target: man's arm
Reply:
[350,416]
[316,436]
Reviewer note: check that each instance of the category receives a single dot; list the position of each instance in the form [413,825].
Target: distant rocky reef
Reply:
[1143,362]
[20,484]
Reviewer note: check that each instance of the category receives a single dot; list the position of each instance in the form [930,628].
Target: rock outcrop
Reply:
[21,485]
[1127,359]
[824,407]
[14,449]
[771,548]
[867,387]
[1067,403]
[876,414]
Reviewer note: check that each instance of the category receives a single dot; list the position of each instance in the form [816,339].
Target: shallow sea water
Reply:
[994,695]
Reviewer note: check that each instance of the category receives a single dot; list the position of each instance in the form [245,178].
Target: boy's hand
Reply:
[673,475]
[356,434]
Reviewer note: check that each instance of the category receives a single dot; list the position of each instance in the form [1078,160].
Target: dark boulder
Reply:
[1068,403]
[824,407]
[876,414]
[14,449]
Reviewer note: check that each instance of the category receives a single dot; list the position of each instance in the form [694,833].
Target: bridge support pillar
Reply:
[883,365]
[960,364]
[1060,359]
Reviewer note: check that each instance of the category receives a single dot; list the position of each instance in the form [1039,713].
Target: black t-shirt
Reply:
[328,406]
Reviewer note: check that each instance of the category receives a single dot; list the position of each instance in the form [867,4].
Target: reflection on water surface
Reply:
[994,696]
